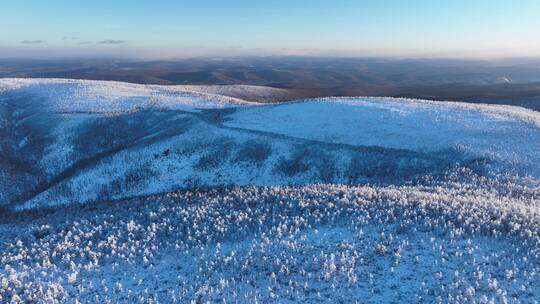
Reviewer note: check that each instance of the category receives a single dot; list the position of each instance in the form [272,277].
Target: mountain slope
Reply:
[113,192]
[81,141]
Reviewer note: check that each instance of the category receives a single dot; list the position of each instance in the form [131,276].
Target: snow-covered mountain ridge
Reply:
[80,141]
[69,95]
[116,192]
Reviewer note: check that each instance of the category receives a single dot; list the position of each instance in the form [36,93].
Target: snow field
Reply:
[446,244]
[121,193]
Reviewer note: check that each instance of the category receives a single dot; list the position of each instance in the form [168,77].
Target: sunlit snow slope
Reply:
[66,141]
[63,95]
[505,135]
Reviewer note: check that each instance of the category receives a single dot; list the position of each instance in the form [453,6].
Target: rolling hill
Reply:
[197,194]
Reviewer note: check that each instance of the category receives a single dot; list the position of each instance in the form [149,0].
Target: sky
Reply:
[179,29]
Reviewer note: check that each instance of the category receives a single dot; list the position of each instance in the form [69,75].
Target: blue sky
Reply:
[168,29]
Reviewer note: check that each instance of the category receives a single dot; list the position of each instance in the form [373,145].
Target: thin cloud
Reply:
[70,38]
[32,41]
[111,41]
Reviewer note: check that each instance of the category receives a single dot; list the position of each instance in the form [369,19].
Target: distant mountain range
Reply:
[514,82]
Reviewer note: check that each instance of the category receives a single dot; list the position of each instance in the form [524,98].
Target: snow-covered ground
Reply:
[164,194]
[66,95]
[320,243]
[505,134]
